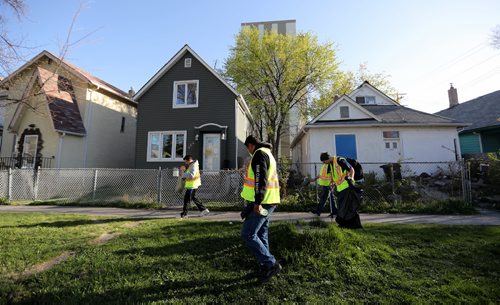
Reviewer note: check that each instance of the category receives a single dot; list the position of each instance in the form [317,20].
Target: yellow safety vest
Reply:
[272,195]
[324,178]
[195,182]
[338,176]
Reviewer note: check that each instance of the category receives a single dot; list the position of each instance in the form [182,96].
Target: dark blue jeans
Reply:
[325,192]
[255,234]
[190,196]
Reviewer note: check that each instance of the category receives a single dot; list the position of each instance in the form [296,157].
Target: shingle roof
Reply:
[481,112]
[394,114]
[62,102]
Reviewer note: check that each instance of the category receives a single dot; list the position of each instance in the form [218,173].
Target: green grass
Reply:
[173,261]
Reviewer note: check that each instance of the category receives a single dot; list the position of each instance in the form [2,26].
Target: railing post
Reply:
[95,185]
[158,196]
[9,182]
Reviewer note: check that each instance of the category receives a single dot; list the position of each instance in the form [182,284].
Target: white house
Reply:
[369,126]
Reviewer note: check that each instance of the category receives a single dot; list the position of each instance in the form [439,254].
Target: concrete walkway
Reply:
[485,217]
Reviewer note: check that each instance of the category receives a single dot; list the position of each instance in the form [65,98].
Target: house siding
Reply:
[216,104]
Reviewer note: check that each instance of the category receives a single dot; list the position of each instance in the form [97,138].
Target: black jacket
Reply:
[260,166]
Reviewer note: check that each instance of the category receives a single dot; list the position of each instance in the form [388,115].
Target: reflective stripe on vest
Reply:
[195,182]
[324,178]
[272,195]
[338,176]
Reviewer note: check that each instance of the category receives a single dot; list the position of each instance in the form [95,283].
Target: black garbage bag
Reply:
[347,214]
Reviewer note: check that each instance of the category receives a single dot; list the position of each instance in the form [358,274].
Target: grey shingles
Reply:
[481,112]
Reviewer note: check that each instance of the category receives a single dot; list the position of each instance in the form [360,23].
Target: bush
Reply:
[4,201]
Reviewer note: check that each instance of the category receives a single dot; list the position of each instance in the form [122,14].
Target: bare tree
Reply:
[495,37]
[9,48]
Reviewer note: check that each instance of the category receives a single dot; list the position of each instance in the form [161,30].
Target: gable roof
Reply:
[348,100]
[61,101]
[482,112]
[83,75]
[367,84]
[172,62]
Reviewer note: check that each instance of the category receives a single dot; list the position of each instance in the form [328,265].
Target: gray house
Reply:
[188,108]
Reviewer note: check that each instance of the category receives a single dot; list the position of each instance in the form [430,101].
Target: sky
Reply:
[422,45]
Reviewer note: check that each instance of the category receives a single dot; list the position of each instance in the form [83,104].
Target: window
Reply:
[391,134]
[166,145]
[29,146]
[365,100]
[185,94]
[122,127]
[187,63]
[344,112]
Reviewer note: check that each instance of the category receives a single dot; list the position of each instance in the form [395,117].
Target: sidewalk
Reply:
[486,217]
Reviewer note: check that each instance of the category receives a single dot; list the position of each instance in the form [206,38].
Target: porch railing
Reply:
[25,162]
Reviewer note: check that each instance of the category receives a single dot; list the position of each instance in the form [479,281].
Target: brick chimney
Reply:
[452,96]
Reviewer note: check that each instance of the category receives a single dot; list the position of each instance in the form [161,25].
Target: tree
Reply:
[9,49]
[495,37]
[346,82]
[277,73]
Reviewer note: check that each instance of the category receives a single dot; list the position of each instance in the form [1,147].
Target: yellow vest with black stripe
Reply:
[272,195]
[195,182]
[338,175]
[324,178]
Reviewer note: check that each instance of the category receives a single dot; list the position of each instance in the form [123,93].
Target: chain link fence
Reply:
[401,182]
[396,182]
[219,188]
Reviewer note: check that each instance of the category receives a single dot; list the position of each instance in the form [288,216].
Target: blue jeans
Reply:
[255,234]
[325,192]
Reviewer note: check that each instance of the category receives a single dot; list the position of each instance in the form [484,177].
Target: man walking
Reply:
[326,183]
[262,193]
[192,180]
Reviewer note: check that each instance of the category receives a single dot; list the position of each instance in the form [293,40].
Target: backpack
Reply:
[358,169]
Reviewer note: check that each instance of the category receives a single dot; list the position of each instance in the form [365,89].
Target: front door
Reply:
[211,151]
[345,146]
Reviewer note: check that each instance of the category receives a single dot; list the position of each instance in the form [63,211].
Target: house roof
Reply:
[482,112]
[85,76]
[174,60]
[62,102]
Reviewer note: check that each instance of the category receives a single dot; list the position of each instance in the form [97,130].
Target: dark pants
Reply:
[189,196]
[326,195]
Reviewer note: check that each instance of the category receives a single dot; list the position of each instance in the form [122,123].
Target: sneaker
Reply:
[268,273]
[183,216]
[332,215]
[316,213]
[204,212]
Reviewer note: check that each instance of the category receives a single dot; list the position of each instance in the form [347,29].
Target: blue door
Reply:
[345,146]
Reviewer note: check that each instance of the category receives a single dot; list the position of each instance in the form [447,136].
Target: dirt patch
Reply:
[48,264]
[132,224]
[104,238]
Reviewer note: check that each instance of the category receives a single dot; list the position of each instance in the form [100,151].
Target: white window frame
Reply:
[186,83]
[187,62]
[174,134]
[26,137]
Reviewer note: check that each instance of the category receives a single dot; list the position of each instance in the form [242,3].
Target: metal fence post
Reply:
[158,196]
[95,185]
[35,187]
[9,183]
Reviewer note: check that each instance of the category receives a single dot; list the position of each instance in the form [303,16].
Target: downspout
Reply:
[236,132]
[88,117]
[59,149]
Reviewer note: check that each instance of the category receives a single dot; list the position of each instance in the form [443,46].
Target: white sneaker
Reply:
[204,212]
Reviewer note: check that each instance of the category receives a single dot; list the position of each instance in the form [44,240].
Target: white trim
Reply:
[210,124]
[172,62]
[186,83]
[366,83]
[168,132]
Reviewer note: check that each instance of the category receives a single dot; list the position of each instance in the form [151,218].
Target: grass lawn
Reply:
[174,261]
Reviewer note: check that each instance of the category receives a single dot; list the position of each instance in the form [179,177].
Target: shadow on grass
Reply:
[74,223]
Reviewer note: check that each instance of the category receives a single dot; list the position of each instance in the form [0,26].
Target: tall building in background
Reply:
[294,122]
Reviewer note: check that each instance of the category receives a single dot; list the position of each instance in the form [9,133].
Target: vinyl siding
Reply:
[215,105]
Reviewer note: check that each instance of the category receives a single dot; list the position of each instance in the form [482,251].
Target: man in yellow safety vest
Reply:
[192,180]
[326,184]
[262,193]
